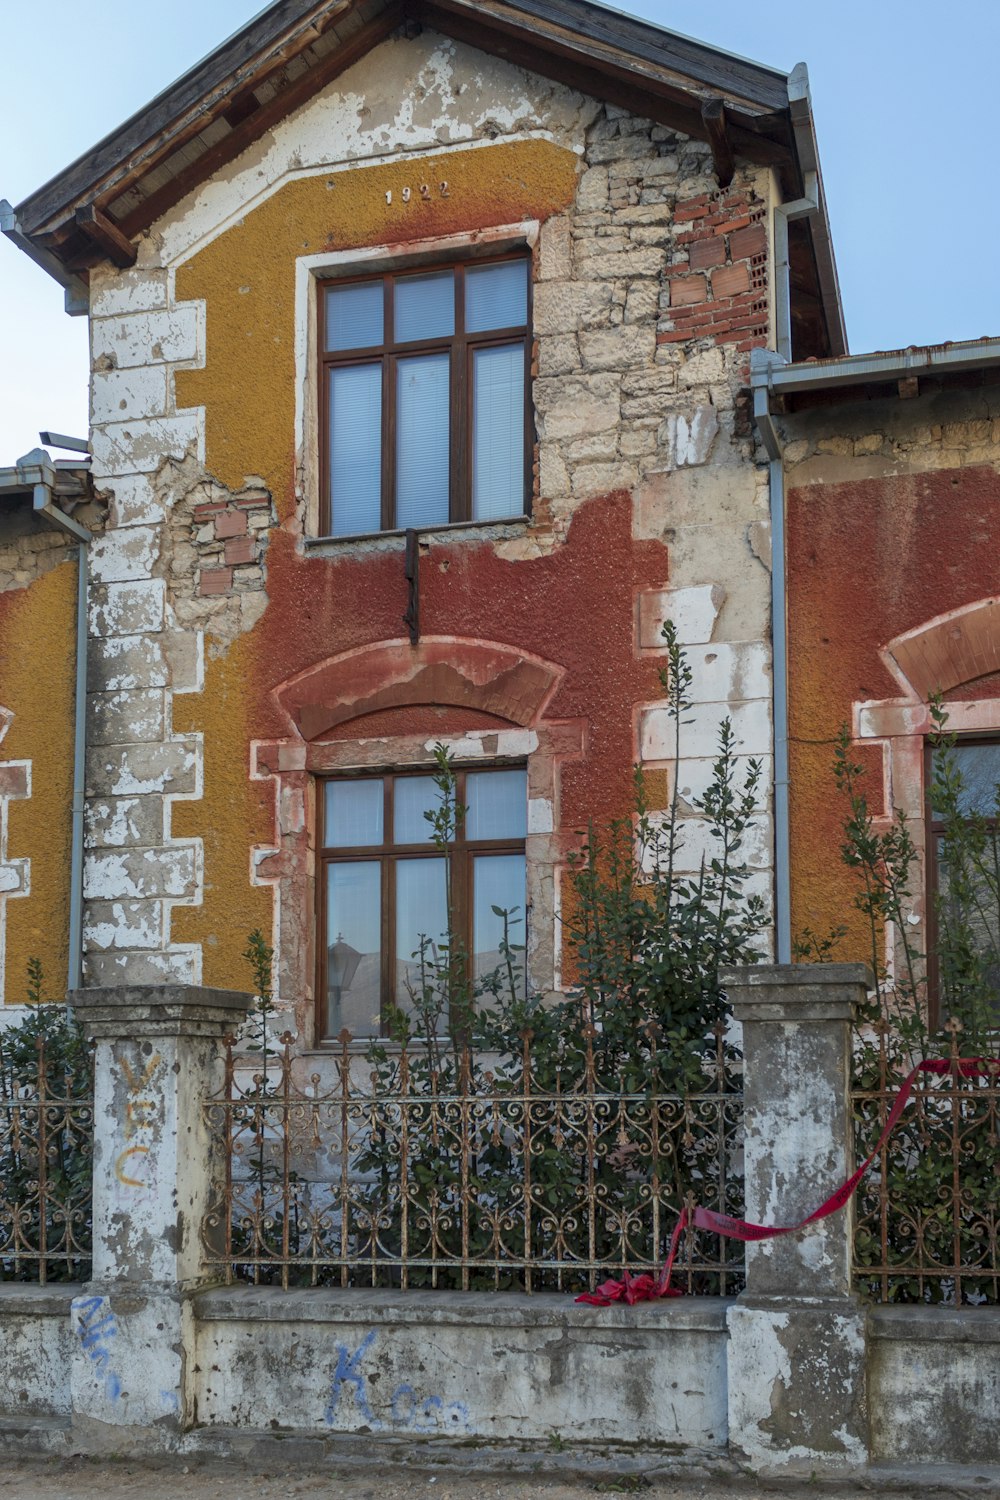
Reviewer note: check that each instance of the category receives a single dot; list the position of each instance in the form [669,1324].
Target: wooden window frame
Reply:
[460,346]
[933,829]
[461,854]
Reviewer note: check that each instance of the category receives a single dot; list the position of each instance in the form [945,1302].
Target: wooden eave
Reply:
[113,193]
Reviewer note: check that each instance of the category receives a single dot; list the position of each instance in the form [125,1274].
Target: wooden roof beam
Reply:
[104,232]
[713,114]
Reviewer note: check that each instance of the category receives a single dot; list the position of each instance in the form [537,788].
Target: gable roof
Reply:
[94,208]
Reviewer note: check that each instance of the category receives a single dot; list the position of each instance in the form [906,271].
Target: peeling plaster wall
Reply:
[893,508]
[406,1366]
[647,497]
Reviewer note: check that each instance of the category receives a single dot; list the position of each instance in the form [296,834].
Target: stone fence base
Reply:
[794,1377]
[311,1374]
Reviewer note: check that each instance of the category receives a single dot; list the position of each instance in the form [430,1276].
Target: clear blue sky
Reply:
[903,92]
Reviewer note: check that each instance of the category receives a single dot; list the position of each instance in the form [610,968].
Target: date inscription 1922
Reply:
[425,191]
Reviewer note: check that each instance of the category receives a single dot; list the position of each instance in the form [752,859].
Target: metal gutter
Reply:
[77,297]
[870,369]
[36,472]
[807,151]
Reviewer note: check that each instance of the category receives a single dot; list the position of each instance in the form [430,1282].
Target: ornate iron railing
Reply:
[928,1211]
[467,1177]
[46,1151]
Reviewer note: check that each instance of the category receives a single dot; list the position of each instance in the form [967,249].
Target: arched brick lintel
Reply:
[446,671]
[951,649]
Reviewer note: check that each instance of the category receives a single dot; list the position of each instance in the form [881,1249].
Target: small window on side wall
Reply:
[425,406]
[386,887]
[963,880]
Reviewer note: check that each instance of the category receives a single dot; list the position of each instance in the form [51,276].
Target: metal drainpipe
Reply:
[43,477]
[760,362]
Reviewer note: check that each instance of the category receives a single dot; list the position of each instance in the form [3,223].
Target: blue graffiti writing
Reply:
[348,1372]
[429,1414]
[409,1410]
[98,1329]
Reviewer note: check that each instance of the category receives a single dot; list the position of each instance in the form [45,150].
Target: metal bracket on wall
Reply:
[411,618]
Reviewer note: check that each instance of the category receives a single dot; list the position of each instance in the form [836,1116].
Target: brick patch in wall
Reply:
[230,536]
[215,580]
[721,234]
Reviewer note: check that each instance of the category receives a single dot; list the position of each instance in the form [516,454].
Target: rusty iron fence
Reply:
[928,1211]
[46,1154]
[469,1177]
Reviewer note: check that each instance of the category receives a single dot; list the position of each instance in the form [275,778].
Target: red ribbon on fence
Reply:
[647,1288]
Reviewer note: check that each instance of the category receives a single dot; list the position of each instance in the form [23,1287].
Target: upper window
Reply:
[963,869]
[387,886]
[425,397]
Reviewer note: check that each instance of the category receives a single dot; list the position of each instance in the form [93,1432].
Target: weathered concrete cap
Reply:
[146,1010]
[796,992]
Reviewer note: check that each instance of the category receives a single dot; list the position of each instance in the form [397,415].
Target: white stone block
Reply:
[132,291]
[134,501]
[135,770]
[124,925]
[174,966]
[730,672]
[120,718]
[693,611]
[540,818]
[140,447]
[121,395]
[141,874]
[127,608]
[121,663]
[696,843]
[14,878]
[160,337]
[123,555]
[700,730]
[695,773]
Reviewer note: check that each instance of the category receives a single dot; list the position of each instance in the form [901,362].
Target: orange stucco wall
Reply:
[37,655]
[866,562]
[575,605]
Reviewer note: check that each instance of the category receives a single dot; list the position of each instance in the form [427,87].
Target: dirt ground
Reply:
[180,1479]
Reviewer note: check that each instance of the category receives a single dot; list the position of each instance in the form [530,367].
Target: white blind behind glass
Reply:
[498,432]
[354,315]
[496,296]
[425,307]
[356,449]
[422,440]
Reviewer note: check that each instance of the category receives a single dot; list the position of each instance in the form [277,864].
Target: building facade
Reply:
[421,397]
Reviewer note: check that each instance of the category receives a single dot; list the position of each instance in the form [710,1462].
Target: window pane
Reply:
[355,315]
[496,296]
[498,432]
[422,436]
[421,912]
[413,796]
[979,767]
[356,449]
[497,880]
[968,919]
[497,803]
[425,307]
[354,944]
[353,813]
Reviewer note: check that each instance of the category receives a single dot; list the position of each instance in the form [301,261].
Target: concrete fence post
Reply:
[158,1055]
[797,1334]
